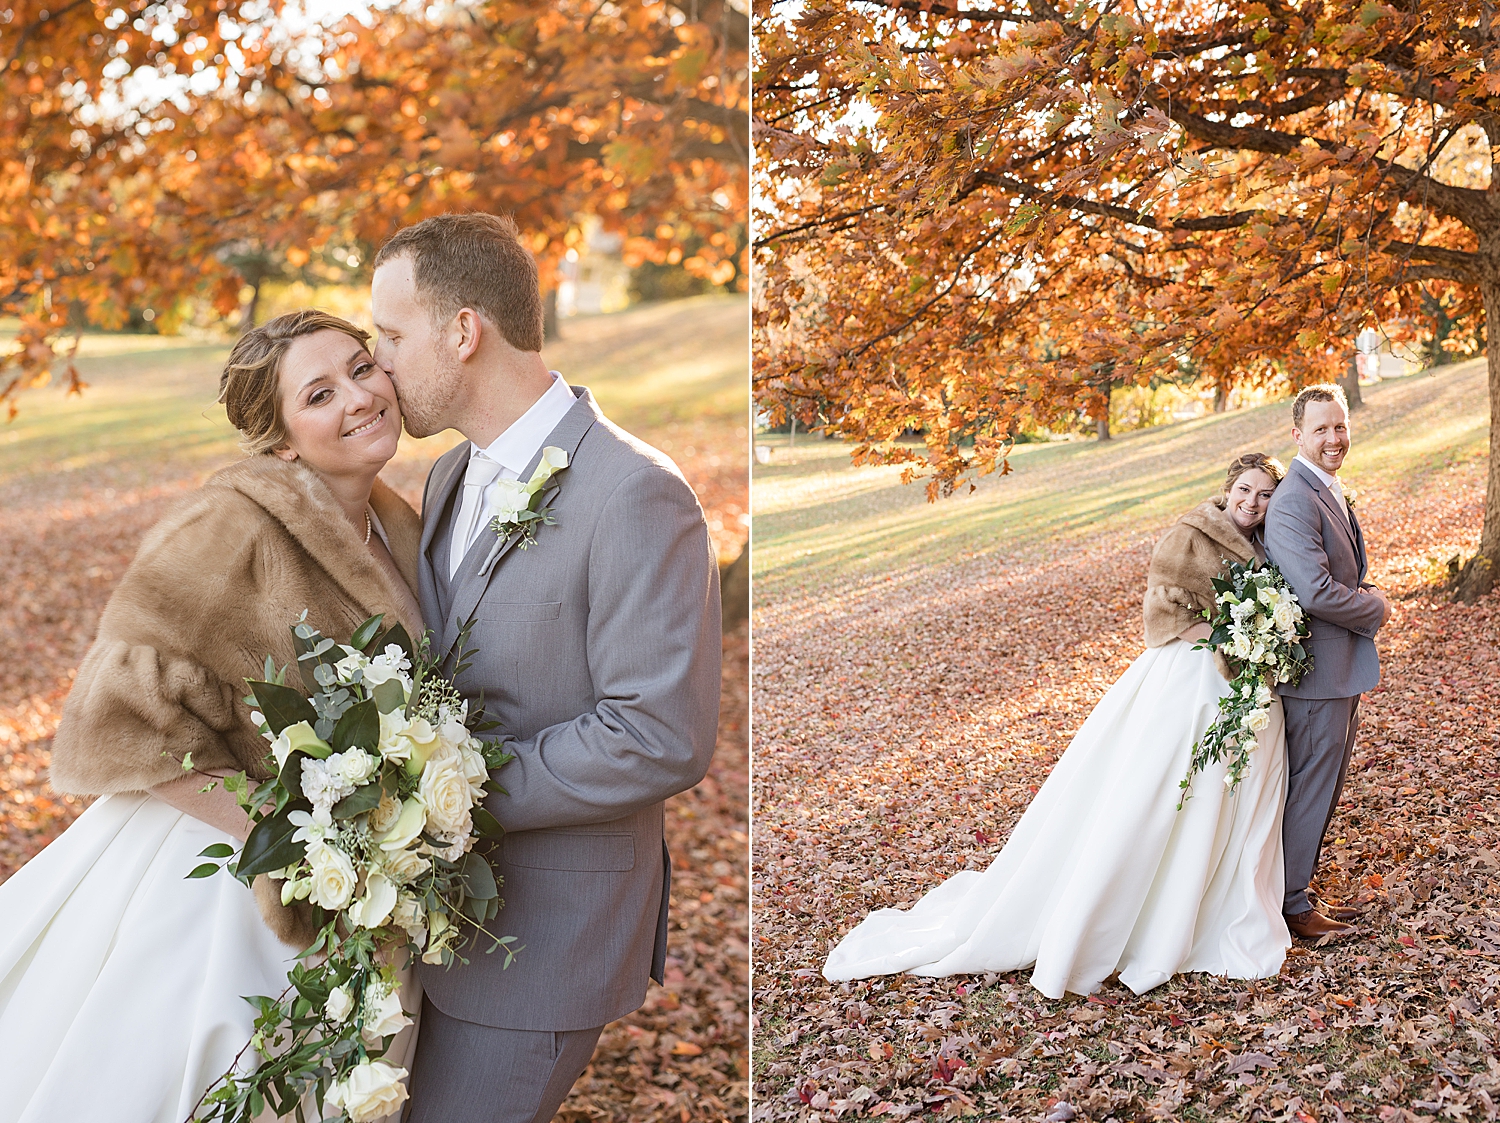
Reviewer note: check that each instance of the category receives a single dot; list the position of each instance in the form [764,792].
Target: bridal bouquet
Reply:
[1259,627]
[371,818]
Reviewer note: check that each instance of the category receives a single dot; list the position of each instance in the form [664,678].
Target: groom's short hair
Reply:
[473,261]
[1322,392]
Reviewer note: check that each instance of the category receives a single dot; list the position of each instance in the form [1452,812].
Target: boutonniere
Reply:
[1350,495]
[515,508]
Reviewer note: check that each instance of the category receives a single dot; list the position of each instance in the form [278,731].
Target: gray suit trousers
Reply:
[1319,742]
[467,1073]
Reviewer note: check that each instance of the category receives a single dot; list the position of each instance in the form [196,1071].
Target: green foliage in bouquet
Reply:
[1258,626]
[370,818]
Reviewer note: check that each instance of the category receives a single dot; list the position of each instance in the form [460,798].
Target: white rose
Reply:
[444,791]
[354,767]
[384,814]
[372,1089]
[371,910]
[340,1003]
[383,1014]
[1262,695]
[1257,720]
[385,667]
[1283,617]
[333,877]
[405,866]
[393,743]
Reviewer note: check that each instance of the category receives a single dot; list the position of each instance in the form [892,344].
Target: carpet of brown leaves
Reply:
[902,726]
[70,521]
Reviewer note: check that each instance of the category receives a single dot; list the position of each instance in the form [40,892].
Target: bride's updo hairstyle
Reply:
[1248,462]
[250,386]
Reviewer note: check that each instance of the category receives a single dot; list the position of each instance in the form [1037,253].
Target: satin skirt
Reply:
[121,980]
[1103,873]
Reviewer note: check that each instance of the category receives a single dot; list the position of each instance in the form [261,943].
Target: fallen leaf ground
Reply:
[919,669]
[81,480]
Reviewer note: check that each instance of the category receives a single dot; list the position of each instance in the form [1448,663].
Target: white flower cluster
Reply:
[1262,627]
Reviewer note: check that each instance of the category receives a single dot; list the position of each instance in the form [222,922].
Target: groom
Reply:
[1313,536]
[597,650]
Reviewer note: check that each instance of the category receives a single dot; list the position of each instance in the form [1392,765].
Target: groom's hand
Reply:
[1385,602]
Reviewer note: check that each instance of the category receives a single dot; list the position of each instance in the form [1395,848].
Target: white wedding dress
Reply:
[121,980]
[1103,873]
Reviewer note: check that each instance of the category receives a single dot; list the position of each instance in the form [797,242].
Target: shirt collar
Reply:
[1329,480]
[514,448]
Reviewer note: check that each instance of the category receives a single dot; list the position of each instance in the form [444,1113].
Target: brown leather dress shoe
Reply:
[1313,925]
[1339,912]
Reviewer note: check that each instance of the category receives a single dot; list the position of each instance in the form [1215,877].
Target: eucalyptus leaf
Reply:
[478,878]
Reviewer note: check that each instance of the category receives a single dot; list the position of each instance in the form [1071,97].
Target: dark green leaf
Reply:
[486,824]
[217,850]
[282,705]
[291,774]
[207,869]
[363,634]
[360,726]
[270,845]
[363,799]
[398,635]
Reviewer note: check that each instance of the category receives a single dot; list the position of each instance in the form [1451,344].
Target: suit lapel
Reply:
[446,474]
[474,576]
[1359,545]
[1325,497]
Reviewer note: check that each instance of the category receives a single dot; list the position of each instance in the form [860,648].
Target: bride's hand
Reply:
[1197,632]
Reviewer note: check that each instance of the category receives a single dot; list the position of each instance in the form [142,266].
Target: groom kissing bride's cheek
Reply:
[580,559]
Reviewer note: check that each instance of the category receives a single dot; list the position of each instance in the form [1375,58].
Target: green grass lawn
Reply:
[150,410]
[821,523]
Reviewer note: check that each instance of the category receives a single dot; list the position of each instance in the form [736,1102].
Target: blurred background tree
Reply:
[161,161]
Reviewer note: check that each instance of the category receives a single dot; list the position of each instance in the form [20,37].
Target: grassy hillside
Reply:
[820,523]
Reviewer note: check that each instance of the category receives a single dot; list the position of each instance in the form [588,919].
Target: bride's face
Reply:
[1248,498]
[339,408]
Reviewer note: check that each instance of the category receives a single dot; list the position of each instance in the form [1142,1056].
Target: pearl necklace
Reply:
[368,527]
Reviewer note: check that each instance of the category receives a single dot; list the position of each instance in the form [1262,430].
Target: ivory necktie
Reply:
[1338,499]
[482,472]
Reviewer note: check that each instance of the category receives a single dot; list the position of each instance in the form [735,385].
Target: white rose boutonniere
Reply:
[515,508]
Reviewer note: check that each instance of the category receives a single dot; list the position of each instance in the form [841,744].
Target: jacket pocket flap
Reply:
[555,850]
[500,610]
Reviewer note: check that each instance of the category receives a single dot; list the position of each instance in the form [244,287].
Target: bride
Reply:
[121,980]
[1103,873]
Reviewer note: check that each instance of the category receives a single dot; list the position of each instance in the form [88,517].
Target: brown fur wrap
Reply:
[212,591]
[1196,549]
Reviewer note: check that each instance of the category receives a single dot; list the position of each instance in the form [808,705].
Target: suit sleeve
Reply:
[1294,542]
[654,650]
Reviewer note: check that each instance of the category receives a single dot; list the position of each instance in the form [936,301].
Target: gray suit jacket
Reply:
[598,651]
[1323,557]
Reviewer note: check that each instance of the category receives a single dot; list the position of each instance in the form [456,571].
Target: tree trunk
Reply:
[1221,398]
[550,332]
[247,317]
[1350,382]
[1478,577]
[1104,425]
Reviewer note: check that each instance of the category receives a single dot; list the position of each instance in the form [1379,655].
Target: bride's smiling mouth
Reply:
[367,426]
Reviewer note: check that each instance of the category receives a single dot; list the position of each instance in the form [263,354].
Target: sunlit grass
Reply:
[151,400]
[820,523]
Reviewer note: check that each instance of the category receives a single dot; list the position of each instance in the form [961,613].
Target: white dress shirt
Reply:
[510,452]
[1330,481]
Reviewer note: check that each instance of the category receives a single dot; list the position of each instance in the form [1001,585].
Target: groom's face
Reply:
[413,351]
[1324,436]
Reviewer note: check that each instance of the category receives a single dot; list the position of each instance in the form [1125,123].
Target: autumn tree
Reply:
[973,218]
[166,153]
